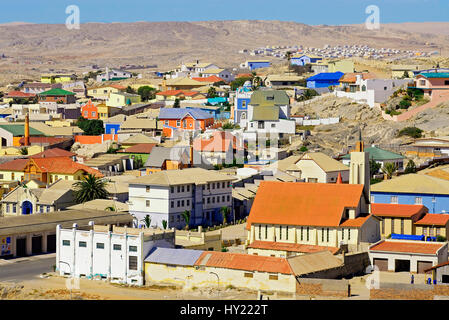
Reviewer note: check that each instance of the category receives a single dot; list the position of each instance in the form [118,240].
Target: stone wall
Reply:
[322,287]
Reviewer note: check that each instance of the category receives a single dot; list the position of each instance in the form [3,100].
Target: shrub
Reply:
[303,149]
[413,132]
[404,104]
[441,238]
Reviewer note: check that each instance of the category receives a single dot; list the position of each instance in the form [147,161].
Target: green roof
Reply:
[265,113]
[269,98]
[18,130]
[435,74]
[57,92]
[378,154]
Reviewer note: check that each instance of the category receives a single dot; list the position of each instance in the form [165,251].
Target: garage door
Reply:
[423,265]
[21,247]
[36,243]
[51,243]
[382,264]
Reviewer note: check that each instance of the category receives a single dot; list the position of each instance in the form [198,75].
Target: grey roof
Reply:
[183,257]
[159,154]
[175,113]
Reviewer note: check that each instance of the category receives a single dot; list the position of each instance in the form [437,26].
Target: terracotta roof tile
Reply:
[19,94]
[220,141]
[396,210]
[291,247]
[241,261]
[63,165]
[53,153]
[438,219]
[212,79]
[357,222]
[303,204]
[14,165]
[409,247]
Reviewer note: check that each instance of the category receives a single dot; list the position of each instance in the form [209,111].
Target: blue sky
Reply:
[331,12]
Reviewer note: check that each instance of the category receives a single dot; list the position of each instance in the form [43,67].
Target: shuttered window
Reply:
[132,263]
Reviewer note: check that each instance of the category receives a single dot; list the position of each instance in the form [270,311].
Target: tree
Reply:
[374,167]
[212,92]
[130,90]
[164,224]
[389,169]
[147,221]
[413,132]
[224,212]
[146,93]
[239,82]
[411,167]
[90,127]
[138,162]
[90,188]
[176,104]
[303,149]
[186,216]
[23,151]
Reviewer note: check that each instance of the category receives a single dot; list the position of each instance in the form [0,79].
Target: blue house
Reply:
[241,102]
[422,189]
[255,64]
[324,80]
[111,128]
[304,59]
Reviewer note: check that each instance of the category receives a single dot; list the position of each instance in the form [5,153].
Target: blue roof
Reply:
[326,76]
[407,237]
[178,113]
[183,257]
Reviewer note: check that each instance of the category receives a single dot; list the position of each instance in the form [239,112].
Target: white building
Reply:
[371,91]
[165,195]
[98,253]
[113,74]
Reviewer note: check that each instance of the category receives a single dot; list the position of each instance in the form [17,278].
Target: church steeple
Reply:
[359,146]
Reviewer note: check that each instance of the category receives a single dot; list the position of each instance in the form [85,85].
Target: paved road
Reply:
[16,270]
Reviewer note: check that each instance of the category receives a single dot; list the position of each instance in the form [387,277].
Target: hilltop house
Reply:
[121,99]
[324,80]
[59,96]
[57,78]
[379,155]
[89,111]
[429,147]
[432,81]
[241,102]
[113,74]
[103,92]
[255,64]
[302,60]
[176,120]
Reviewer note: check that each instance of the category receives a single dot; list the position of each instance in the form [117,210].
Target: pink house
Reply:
[430,81]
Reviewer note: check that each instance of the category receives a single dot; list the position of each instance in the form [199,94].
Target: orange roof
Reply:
[139,148]
[44,140]
[19,94]
[357,222]
[53,153]
[242,261]
[243,75]
[63,165]
[220,141]
[302,203]
[409,247]
[291,247]
[397,210]
[352,77]
[438,219]
[14,165]
[211,79]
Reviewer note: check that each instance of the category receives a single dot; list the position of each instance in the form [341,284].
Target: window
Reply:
[422,82]
[266,232]
[187,202]
[13,208]
[172,204]
[327,234]
[182,203]
[307,233]
[223,185]
[132,248]
[402,226]
[147,203]
[349,234]
[117,247]
[418,200]
[228,198]
[286,233]
[213,199]
[182,189]
[218,185]
[223,199]
[213,185]
[446,82]
[383,225]
[301,233]
[7,208]
[438,231]
[208,200]
[424,231]
[166,122]
[148,188]
[82,244]
[12,175]
[280,232]
[93,113]
[244,103]
[179,189]
[322,234]
[260,232]
[172,219]
[100,245]
[394,199]
[248,275]
[273,277]
[273,125]
[188,188]
[66,242]
[48,209]
[261,125]
[132,263]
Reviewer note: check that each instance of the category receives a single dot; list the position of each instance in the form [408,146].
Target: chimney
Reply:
[27,130]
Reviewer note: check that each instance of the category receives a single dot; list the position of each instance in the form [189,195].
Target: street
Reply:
[28,268]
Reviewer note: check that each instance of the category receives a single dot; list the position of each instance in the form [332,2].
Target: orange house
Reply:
[89,111]
[175,119]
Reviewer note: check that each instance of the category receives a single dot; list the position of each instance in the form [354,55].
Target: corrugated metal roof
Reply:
[178,113]
[413,183]
[333,76]
[314,262]
[182,257]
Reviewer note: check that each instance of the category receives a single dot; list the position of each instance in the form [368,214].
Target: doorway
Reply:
[402,265]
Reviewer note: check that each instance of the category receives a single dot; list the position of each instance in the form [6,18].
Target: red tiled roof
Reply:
[243,75]
[437,219]
[352,77]
[63,165]
[14,165]
[19,94]
[139,148]
[211,79]
[408,247]
[357,222]
[44,140]
[220,141]
[53,153]
[303,204]
[396,210]
[241,261]
[291,247]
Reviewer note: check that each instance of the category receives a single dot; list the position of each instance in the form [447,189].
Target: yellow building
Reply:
[103,111]
[121,99]
[436,224]
[57,78]
[103,92]
[13,170]
[345,66]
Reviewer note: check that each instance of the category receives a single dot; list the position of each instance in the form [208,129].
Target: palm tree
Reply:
[186,216]
[389,169]
[147,221]
[224,212]
[90,188]
[164,224]
[23,151]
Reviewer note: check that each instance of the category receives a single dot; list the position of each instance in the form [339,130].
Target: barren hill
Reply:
[44,46]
